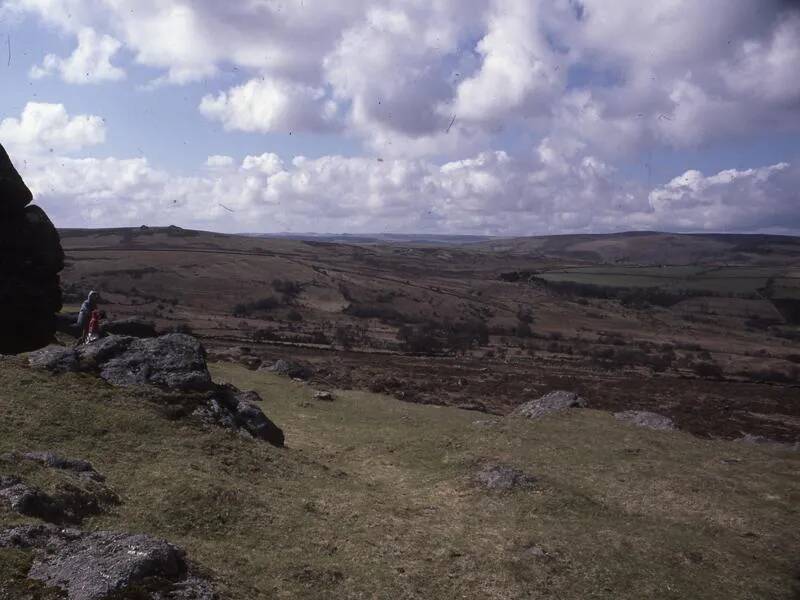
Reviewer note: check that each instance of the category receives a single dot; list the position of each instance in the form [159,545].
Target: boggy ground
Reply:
[375,498]
[704,407]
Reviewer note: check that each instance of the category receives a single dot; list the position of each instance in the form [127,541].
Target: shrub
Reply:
[294,316]
[707,370]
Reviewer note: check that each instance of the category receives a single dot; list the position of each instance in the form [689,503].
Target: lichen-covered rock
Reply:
[69,504]
[643,418]
[503,478]
[174,361]
[30,260]
[291,369]
[104,564]
[550,403]
[237,410]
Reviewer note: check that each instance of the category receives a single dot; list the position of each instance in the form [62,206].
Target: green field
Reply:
[721,281]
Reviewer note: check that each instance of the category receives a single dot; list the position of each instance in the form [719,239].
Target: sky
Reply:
[492,117]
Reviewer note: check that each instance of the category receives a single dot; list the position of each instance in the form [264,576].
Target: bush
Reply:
[290,289]
[294,316]
[263,305]
[707,370]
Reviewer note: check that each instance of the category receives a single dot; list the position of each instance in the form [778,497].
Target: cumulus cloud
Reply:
[652,72]
[271,105]
[760,198]
[44,127]
[219,161]
[503,116]
[89,63]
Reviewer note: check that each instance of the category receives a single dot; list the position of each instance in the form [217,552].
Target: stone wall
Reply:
[30,260]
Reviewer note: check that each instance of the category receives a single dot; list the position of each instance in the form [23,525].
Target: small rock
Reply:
[550,403]
[82,468]
[503,478]
[291,369]
[642,418]
[326,396]
[70,504]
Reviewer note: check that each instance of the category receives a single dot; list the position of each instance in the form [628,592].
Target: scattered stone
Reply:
[30,261]
[473,405]
[749,438]
[503,478]
[550,403]
[236,410]
[325,396]
[291,369]
[82,468]
[642,418]
[131,326]
[103,564]
[69,504]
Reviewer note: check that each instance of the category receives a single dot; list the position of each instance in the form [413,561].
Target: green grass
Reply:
[716,280]
[374,498]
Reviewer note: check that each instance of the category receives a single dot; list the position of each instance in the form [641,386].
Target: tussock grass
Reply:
[374,498]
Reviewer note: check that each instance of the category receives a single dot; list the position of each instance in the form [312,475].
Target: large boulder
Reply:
[175,361]
[30,261]
[550,403]
[104,564]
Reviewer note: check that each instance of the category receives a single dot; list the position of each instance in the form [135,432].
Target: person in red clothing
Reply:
[93,330]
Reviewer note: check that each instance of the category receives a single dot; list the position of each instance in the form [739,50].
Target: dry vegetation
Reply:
[485,325]
[375,498]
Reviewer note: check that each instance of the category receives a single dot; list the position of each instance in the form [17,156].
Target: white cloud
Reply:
[270,105]
[89,63]
[613,75]
[219,161]
[44,127]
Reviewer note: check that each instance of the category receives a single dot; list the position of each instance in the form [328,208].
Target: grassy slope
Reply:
[373,498]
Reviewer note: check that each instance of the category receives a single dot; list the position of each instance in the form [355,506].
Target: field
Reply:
[743,281]
[485,325]
[375,498]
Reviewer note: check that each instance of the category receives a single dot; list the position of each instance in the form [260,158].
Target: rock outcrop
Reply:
[643,418]
[228,407]
[550,403]
[77,489]
[291,369]
[103,564]
[30,261]
[173,362]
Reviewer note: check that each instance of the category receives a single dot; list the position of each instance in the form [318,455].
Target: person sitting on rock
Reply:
[85,315]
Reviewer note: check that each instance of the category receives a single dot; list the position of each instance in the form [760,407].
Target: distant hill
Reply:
[655,248]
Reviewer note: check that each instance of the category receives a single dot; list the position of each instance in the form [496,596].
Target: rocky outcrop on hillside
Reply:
[103,565]
[175,362]
[643,418]
[30,261]
[550,403]
[76,489]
